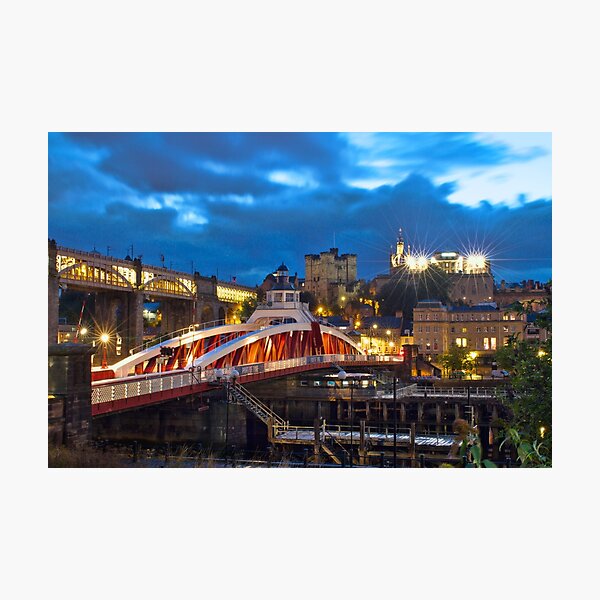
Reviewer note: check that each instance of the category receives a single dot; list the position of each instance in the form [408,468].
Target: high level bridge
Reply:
[121,286]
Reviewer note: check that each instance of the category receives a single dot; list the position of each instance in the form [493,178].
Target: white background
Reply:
[298,66]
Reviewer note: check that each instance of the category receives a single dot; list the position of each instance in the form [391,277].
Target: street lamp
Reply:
[104,338]
[342,375]
[373,328]
[473,356]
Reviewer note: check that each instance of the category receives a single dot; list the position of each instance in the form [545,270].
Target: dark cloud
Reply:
[207,199]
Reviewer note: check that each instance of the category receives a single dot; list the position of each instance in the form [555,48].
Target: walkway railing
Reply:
[419,391]
[346,434]
[138,385]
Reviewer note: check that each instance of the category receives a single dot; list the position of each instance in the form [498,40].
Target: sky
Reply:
[239,204]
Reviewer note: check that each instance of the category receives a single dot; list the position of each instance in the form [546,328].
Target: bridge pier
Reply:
[69,394]
[176,314]
[53,291]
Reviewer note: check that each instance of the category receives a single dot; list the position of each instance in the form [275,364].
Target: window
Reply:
[464,330]
[505,328]
[486,343]
[427,329]
[461,342]
[427,346]
[492,343]
[478,329]
[451,329]
[304,383]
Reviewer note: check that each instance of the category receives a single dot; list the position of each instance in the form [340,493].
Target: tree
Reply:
[247,308]
[308,298]
[405,289]
[530,366]
[455,359]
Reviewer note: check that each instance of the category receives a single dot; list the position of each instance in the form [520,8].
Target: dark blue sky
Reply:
[237,204]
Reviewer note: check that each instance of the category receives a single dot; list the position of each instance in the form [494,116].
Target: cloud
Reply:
[240,204]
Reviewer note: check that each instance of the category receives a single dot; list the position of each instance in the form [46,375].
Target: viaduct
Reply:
[121,286]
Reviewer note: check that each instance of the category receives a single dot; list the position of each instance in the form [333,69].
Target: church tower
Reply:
[397,258]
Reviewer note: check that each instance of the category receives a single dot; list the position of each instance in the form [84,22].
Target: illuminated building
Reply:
[451,262]
[471,277]
[483,328]
[328,276]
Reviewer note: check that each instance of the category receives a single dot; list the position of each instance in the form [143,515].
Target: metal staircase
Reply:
[237,394]
[336,444]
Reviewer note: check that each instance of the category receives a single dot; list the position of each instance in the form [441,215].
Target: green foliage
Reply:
[309,299]
[405,290]
[456,359]
[530,366]
[247,308]
[467,445]
[529,454]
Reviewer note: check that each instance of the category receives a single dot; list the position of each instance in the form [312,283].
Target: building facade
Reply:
[329,277]
[482,329]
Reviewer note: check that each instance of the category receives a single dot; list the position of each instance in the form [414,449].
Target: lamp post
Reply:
[375,329]
[104,338]
[342,375]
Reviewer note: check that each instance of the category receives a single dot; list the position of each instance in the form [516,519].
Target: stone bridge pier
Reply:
[176,314]
[120,314]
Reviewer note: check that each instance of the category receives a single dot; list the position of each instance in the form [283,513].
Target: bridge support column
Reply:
[457,411]
[317,444]
[53,291]
[120,314]
[175,314]
[420,407]
[135,322]
[438,413]
[69,394]
[402,412]
[362,448]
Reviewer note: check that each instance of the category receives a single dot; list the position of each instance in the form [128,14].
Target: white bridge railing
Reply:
[139,385]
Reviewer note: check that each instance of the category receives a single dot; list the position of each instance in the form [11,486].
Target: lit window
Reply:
[486,343]
[493,343]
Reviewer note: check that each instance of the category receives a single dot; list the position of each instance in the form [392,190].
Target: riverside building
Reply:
[482,328]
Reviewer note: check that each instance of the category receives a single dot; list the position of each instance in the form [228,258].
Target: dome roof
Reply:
[282,267]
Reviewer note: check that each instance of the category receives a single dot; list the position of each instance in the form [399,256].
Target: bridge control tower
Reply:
[283,303]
